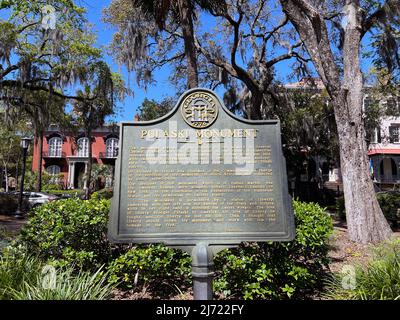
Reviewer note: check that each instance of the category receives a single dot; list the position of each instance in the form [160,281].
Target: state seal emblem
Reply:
[199,109]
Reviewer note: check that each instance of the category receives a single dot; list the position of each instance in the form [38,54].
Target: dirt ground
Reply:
[345,252]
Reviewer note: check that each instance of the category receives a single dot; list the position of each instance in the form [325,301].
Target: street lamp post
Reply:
[24,144]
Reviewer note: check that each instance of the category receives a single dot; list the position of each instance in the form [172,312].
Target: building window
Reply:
[111,147]
[394,134]
[54,171]
[83,147]
[376,135]
[55,147]
[369,103]
[392,108]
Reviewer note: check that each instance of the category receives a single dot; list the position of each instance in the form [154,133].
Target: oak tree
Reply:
[337,59]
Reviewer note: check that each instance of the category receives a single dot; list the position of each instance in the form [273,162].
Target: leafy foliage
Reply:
[22,277]
[74,232]
[279,270]
[106,193]
[150,109]
[152,34]
[390,205]
[379,280]
[308,123]
[52,57]
[388,201]
[73,193]
[70,231]
[16,268]
[151,265]
[68,286]
[50,182]
[99,174]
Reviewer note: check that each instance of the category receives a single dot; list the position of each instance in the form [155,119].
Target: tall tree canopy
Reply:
[36,58]
[98,101]
[237,43]
[48,60]
[165,22]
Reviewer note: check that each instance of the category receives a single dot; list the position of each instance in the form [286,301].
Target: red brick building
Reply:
[69,156]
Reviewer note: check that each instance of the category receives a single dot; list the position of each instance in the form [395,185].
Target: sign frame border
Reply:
[182,239]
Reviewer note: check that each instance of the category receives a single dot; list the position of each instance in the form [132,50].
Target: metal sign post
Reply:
[202,271]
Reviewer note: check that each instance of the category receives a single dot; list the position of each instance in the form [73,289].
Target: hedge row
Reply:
[74,232]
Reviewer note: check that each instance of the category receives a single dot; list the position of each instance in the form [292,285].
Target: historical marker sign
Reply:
[200,174]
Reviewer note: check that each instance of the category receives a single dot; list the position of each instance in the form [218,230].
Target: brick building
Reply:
[384,147]
[69,155]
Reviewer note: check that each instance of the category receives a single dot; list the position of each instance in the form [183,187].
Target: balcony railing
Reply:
[108,155]
[81,154]
[50,154]
[388,180]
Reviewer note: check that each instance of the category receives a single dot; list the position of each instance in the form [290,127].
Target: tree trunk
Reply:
[255,107]
[1,177]
[186,16]
[6,174]
[17,171]
[365,220]
[89,166]
[39,177]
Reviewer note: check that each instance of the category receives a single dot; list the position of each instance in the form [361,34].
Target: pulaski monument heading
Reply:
[200,175]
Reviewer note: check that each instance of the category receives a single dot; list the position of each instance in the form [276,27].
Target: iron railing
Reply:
[53,154]
[108,155]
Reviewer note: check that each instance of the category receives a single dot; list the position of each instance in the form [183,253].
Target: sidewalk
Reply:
[9,224]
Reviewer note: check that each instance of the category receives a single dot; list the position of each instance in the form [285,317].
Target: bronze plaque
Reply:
[200,174]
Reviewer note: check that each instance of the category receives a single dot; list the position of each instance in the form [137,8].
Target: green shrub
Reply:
[279,270]
[388,201]
[106,193]
[379,280]
[48,183]
[69,231]
[52,187]
[74,193]
[74,232]
[340,208]
[390,204]
[151,265]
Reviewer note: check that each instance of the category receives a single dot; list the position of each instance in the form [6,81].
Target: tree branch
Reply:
[313,32]
[17,84]
[9,69]
[22,29]
[379,15]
